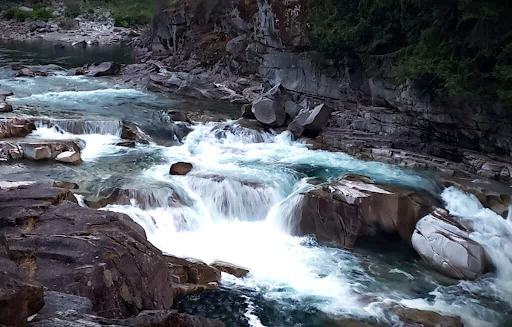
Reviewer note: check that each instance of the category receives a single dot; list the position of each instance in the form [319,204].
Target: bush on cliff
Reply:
[39,13]
[458,48]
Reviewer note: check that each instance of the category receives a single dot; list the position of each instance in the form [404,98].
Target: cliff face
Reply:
[243,44]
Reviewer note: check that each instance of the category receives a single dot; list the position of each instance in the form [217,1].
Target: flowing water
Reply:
[237,203]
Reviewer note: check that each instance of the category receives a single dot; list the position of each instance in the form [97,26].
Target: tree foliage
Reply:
[459,48]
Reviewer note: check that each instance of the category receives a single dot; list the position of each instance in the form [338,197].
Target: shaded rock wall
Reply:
[264,41]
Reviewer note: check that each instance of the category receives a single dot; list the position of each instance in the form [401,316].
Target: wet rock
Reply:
[445,245]
[176,115]
[66,185]
[25,72]
[154,318]
[415,317]
[130,131]
[230,268]
[69,157]
[37,152]
[146,198]
[354,206]
[19,296]
[108,68]
[192,271]
[101,255]
[16,150]
[82,44]
[127,144]
[181,168]
[15,127]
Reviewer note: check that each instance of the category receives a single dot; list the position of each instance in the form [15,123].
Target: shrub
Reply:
[39,13]
[72,10]
[455,47]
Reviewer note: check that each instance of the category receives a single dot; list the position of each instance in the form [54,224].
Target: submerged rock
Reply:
[355,206]
[445,245]
[415,317]
[230,268]
[181,168]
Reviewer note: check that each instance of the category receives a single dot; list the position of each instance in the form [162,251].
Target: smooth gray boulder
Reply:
[269,112]
[444,245]
[310,122]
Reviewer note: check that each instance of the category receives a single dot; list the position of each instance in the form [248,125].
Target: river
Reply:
[236,204]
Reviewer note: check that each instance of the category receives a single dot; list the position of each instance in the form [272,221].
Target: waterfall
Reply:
[490,230]
[80,127]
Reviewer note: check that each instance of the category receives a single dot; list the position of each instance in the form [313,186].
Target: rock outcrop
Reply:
[445,245]
[62,151]
[99,255]
[13,127]
[230,268]
[130,131]
[247,48]
[20,297]
[341,212]
[108,68]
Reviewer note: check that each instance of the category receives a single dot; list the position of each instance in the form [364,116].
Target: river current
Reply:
[236,205]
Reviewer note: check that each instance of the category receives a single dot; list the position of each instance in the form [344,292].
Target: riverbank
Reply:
[87,29]
[250,199]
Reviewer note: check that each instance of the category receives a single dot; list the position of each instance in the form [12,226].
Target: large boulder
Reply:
[101,255]
[269,109]
[181,168]
[354,206]
[13,127]
[310,122]
[107,68]
[445,245]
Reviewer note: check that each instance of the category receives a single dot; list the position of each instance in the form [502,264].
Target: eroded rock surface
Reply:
[354,206]
[445,245]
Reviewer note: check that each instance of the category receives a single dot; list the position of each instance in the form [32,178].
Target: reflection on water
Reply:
[40,52]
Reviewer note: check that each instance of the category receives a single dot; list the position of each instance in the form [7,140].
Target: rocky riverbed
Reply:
[114,176]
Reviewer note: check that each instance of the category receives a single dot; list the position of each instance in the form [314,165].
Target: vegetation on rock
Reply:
[39,13]
[459,48]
